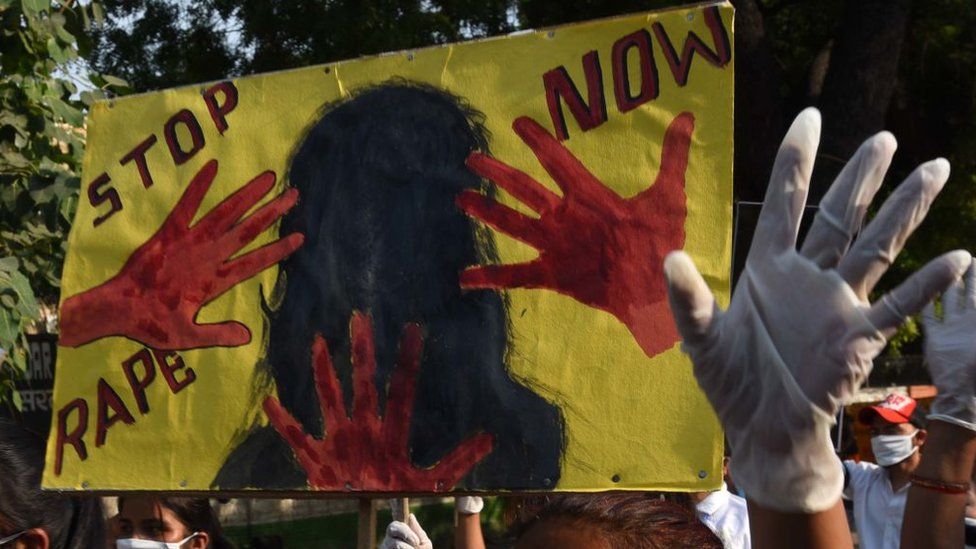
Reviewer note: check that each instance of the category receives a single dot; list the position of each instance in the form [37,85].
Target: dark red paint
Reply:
[648,84]
[97,196]
[108,398]
[681,67]
[155,297]
[140,384]
[138,155]
[189,121]
[595,246]
[219,111]
[560,87]
[74,438]
[363,451]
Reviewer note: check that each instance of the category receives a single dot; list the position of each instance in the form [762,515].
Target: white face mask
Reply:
[892,449]
[134,543]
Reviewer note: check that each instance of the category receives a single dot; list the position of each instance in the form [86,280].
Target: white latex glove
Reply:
[407,535]
[799,335]
[950,352]
[469,505]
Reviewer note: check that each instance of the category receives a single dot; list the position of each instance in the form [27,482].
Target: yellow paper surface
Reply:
[631,422]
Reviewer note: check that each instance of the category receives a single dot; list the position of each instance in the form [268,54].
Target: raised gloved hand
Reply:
[408,535]
[469,505]
[950,352]
[799,335]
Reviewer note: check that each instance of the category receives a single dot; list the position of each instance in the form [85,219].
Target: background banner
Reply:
[424,271]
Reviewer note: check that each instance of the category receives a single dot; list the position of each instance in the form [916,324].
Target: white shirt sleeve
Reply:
[855,474]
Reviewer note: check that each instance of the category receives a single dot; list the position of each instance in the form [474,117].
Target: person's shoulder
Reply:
[861,468]
[738,504]
[860,475]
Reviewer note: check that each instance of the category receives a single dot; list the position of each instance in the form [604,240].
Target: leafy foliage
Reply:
[934,114]
[41,144]
[163,43]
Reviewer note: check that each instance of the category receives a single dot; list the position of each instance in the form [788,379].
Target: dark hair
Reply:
[70,522]
[624,521]
[197,515]
[378,174]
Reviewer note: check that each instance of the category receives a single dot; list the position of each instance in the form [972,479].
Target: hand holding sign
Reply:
[156,296]
[603,250]
[365,452]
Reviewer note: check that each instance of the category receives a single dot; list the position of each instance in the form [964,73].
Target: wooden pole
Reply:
[401,509]
[366,537]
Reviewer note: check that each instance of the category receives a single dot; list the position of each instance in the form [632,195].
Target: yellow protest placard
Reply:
[417,272]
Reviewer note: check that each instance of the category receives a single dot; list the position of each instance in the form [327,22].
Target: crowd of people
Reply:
[792,348]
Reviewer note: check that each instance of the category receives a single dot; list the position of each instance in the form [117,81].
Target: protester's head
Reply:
[31,518]
[189,523]
[611,521]
[897,430]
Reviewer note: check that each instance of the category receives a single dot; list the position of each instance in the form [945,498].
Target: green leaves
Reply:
[113,81]
[68,113]
[18,308]
[55,51]
[35,7]
[41,145]
[15,287]
[98,13]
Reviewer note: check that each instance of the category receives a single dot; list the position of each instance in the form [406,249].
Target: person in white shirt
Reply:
[726,514]
[879,491]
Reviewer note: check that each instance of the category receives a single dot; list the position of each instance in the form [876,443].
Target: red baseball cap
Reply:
[894,408]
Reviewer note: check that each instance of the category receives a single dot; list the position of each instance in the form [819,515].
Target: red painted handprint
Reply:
[364,452]
[155,297]
[595,246]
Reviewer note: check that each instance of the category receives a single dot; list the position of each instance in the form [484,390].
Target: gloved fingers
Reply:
[415,526]
[960,296]
[954,299]
[786,195]
[692,303]
[970,278]
[883,238]
[929,317]
[912,295]
[842,209]
[403,532]
[469,505]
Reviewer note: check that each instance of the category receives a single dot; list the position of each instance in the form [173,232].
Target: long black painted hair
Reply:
[197,515]
[70,522]
[378,175]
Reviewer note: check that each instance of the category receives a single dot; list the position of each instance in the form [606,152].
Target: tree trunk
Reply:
[758,105]
[859,83]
